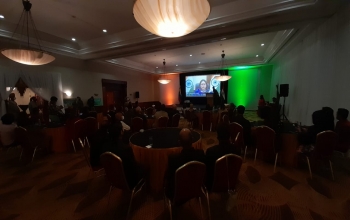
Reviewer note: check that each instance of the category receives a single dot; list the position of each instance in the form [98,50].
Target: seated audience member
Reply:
[217,151]
[208,107]
[108,139]
[172,111]
[342,128]
[12,107]
[7,129]
[261,101]
[32,104]
[232,112]
[188,153]
[138,113]
[307,136]
[193,116]
[119,118]
[222,112]
[55,111]
[158,114]
[35,117]
[328,118]
[245,124]
[84,112]
[23,120]
[128,115]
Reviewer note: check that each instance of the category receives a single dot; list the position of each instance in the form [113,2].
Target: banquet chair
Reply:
[226,119]
[86,152]
[113,166]
[175,120]
[188,117]
[149,111]
[136,124]
[235,129]
[91,128]
[226,173]
[23,139]
[222,114]
[326,142]
[265,143]
[79,131]
[163,122]
[206,121]
[189,184]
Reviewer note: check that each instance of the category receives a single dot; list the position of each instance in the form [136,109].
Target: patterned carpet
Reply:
[59,186]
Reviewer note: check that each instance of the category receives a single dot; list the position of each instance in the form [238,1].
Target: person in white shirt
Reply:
[7,130]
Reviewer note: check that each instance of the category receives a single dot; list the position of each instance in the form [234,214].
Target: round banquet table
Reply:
[155,160]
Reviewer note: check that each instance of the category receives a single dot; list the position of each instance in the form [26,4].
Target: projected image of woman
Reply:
[203,87]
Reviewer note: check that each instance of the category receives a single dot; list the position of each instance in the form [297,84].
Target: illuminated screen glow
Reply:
[199,86]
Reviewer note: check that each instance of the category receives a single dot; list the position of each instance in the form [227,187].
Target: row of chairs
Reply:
[189,180]
[137,123]
[326,142]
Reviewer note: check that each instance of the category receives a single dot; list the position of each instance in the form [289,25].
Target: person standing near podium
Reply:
[216,97]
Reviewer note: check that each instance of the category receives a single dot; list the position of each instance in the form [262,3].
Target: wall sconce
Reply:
[68,93]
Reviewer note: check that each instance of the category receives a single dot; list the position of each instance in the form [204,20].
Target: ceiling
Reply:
[244,25]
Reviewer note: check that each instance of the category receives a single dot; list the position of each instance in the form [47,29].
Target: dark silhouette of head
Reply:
[53,99]
[240,109]
[262,97]
[223,131]
[12,97]
[7,119]
[185,136]
[162,107]
[342,114]
[33,99]
[317,117]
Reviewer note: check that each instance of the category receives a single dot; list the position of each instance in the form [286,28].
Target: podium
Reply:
[210,99]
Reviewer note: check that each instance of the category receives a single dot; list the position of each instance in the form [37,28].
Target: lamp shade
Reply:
[222,78]
[171,18]
[28,57]
[163,81]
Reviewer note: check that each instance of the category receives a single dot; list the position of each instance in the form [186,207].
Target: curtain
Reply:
[44,84]
[317,70]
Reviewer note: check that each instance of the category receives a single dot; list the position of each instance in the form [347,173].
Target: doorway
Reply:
[114,93]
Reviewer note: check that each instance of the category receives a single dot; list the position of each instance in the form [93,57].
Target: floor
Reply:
[59,186]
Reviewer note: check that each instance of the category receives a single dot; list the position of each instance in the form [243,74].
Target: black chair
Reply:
[189,184]
[113,166]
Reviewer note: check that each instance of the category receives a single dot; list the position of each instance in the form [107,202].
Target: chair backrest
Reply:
[236,128]
[113,167]
[175,120]
[149,111]
[163,122]
[21,137]
[265,139]
[91,126]
[226,119]
[188,116]
[226,173]
[79,129]
[222,116]
[206,121]
[136,124]
[326,142]
[189,180]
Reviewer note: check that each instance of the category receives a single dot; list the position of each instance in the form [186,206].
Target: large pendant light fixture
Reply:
[171,18]
[28,54]
[163,80]
[223,77]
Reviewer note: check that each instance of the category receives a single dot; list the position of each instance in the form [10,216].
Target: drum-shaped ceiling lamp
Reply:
[171,18]
[163,79]
[29,53]
[223,77]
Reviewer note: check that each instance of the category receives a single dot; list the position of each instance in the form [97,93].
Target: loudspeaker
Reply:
[284,90]
[137,95]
